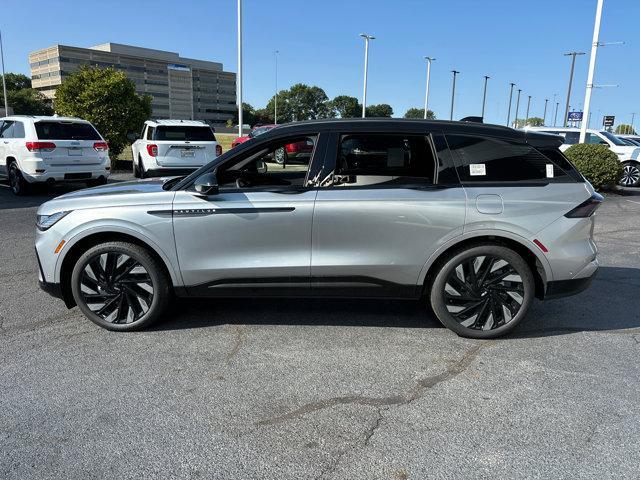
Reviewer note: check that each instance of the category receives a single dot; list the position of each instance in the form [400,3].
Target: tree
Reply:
[106,98]
[23,99]
[530,122]
[301,102]
[624,129]
[248,115]
[419,113]
[345,106]
[381,110]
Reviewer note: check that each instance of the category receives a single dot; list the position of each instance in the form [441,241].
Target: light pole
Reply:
[515,124]
[366,65]
[592,68]
[4,82]
[426,92]
[453,92]
[510,97]
[526,120]
[555,116]
[573,64]
[544,115]
[275,99]
[484,94]
[239,79]
[633,117]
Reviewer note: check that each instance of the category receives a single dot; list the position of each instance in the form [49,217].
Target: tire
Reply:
[19,186]
[489,296]
[136,171]
[130,288]
[141,171]
[280,156]
[630,175]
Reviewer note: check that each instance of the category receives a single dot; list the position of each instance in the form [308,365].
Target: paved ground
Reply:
[321,389]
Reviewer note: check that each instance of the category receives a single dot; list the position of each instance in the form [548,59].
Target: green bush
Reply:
[597,163]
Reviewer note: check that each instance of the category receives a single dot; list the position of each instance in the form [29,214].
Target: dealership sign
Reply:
[608,120]
[574,117]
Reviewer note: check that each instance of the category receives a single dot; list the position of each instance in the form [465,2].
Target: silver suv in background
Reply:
[173,147]
[51,149]
[478,220]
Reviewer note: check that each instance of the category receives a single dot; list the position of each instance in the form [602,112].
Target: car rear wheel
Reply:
[630,174]
[280,156]
[482,291]
[19,186]
[120,286]
[141,171]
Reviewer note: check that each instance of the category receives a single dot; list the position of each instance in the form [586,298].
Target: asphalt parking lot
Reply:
[293,389]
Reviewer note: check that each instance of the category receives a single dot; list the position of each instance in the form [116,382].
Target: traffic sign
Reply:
[575,117]
[609,120]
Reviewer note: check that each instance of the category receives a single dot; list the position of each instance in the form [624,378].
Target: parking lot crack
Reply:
[422,385]
[239,341]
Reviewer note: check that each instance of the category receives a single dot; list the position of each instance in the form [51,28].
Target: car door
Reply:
[255,234]
[389,201]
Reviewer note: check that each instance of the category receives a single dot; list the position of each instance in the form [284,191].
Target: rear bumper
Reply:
[68,174]
[566,288]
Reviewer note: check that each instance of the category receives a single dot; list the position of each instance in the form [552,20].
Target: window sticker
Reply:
[477,169]
[549,170]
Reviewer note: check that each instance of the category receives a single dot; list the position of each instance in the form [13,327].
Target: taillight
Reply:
[291,147]
[218,150]
[101,146]
[586,208]
[40,146]
[152,150]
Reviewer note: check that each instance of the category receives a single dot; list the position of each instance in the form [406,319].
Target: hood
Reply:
[626,152]
[149,192]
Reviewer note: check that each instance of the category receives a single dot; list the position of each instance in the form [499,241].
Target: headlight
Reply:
[45,222]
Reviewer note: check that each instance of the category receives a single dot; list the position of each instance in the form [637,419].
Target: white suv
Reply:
[51,149]
[627,154]
[173,147]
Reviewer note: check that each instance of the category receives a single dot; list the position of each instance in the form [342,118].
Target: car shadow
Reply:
[602,307]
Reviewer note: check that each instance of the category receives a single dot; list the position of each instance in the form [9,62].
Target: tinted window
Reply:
[187,134]
[593,138]
[18,130]
[374,159]
[66,131]
[150,133]
[485,159]
[612,138]
[6,130]
[571,138]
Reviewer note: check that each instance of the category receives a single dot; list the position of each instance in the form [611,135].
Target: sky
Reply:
[318,43]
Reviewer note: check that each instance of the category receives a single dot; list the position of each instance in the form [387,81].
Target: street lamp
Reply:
[484,94]
[573,64]
[239,78]
[555,115]
[526,120]
[453,92]
[510,97]
[544,115]
[426,92]
[633,117]
[4,82]
[275,99]
[515,125]
[366,65]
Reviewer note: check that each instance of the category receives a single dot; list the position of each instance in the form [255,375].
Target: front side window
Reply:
[486,159]
[66,131]
[593,139]
[384,159]
[184,134]
[279,164]
[571,138]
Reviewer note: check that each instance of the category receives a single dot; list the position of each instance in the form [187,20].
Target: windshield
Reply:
[184,133]
[613,139]
[66,131]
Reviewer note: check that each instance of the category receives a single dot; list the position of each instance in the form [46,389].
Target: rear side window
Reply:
[6,129]
[484,159]
[150,133]
[18,130]
[66,131]
[375,159]
[186,134]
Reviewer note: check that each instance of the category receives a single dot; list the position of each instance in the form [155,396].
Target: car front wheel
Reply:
[120,286]
[482,291]
[630,174]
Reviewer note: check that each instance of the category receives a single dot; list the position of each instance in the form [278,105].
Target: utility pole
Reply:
[366,66]
[526,120]
[544,115]
[510,97]
[453,92]
[573,64]
[4,82]
[239,78]
[515,125]
[426,92]
[592,68]
[275,99]
[484,95]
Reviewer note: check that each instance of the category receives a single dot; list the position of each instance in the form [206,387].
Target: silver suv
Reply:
[476,219]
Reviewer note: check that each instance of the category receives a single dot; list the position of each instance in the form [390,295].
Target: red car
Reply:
[291,151]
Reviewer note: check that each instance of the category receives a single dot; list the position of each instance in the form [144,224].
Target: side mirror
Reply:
[207,184]
[132,137]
